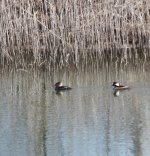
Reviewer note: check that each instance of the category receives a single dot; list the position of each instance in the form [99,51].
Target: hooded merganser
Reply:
[117,86]
[59,87]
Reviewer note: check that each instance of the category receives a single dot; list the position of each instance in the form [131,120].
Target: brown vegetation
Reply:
[66,32]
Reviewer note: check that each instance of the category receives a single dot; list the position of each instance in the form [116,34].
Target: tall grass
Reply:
[67,32]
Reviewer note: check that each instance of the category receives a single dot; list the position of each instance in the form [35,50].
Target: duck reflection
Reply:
[59,93]
[116,93]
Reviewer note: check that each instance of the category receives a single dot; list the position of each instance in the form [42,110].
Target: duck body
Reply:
[117,86]
[59,87]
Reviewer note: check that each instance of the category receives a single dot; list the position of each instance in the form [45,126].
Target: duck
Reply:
[117,86]
[59,87]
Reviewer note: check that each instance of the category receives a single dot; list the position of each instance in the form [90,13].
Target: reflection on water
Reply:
[89,120]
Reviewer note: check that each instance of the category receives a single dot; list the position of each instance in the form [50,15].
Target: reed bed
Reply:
[70,32]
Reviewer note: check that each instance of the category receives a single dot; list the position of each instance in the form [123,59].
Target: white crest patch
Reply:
[117,84]
[61,84]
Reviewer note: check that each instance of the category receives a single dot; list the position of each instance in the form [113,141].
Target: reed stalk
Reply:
[70,32]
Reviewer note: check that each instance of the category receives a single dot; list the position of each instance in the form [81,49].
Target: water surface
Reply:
[88,120]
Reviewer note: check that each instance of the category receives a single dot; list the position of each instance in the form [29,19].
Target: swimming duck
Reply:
[59,87]
[117,86]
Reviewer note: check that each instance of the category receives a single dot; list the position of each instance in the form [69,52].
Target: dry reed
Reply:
[67,32]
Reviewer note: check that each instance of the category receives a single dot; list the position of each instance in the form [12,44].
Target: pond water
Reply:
[89,120]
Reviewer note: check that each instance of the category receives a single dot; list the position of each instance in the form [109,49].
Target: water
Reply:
[86,121]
